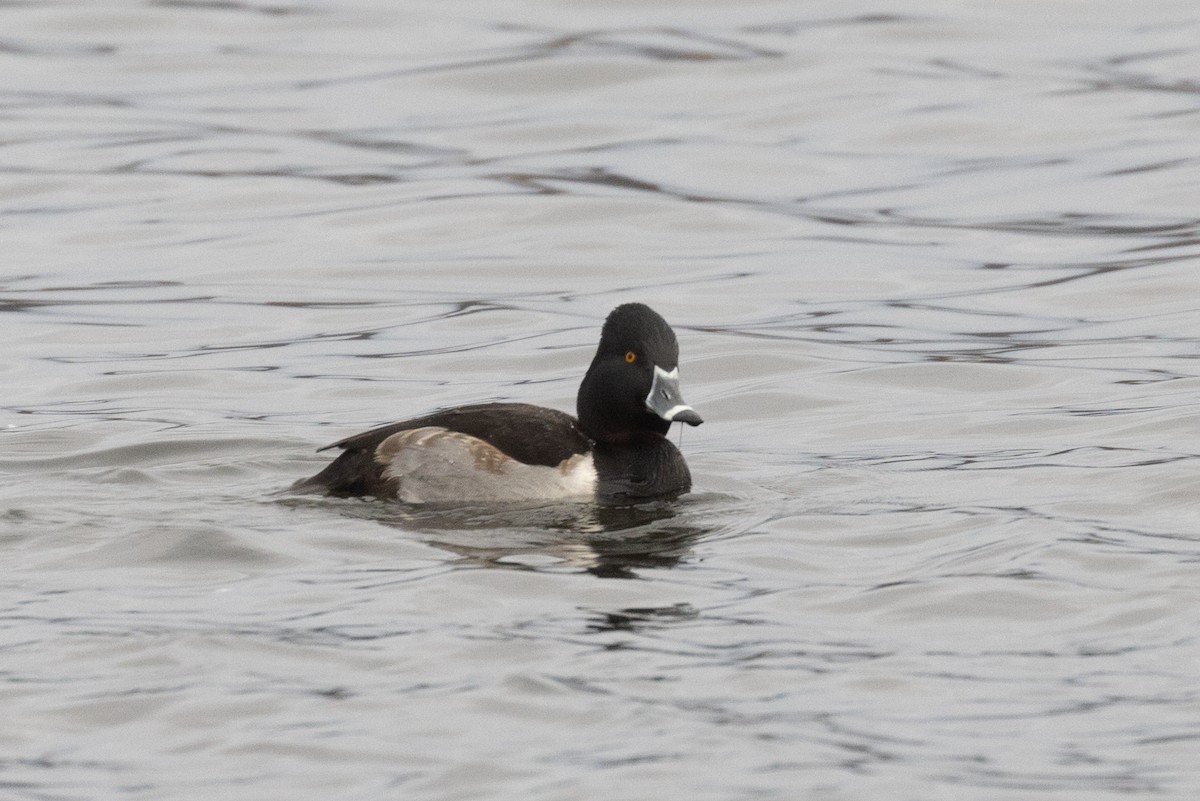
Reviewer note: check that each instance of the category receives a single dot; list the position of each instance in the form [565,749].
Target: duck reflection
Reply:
[636,619]
[611,542]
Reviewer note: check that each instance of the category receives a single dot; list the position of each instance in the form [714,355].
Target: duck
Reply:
[613,452]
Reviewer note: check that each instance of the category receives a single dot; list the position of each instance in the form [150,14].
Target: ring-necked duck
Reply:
[615,452]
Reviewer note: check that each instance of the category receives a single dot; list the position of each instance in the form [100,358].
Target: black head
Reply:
[631,389]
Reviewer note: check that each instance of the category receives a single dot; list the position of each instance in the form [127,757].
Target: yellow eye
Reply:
[631,357]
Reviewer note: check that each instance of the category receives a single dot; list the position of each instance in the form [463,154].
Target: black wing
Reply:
[527,433]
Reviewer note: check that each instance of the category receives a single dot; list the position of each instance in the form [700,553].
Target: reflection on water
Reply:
[933,281]
[636,619]
[610,542]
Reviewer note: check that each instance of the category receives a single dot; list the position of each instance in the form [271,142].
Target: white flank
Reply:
[433,465]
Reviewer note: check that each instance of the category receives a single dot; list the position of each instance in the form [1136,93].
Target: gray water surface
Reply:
[933,268]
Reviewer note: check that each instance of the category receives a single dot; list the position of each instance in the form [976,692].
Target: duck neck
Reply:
[649,467]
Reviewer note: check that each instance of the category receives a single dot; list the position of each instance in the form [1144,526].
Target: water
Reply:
[933,270]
